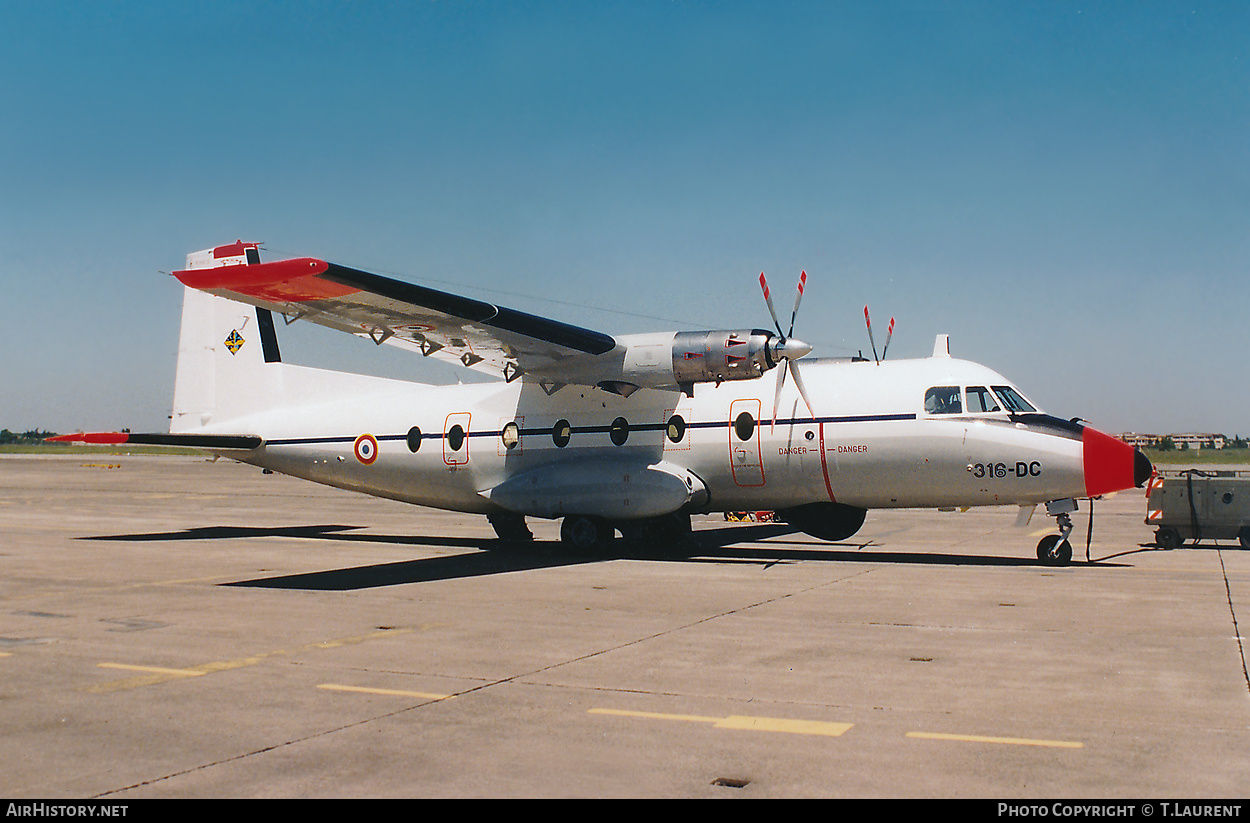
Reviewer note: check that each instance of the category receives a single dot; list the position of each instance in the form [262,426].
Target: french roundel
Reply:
[366,448]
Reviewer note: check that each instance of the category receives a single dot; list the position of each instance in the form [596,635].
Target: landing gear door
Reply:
[745,456]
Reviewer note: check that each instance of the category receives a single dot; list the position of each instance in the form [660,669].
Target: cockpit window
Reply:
[980,400]
[1012,399]
[942,400]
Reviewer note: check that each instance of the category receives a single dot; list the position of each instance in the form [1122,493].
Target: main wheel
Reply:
[510,527]
[1054,552]
[670,531]
[586,533]
[1167,538]
[1243,537]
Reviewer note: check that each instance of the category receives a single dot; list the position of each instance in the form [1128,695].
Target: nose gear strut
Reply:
[1054,549]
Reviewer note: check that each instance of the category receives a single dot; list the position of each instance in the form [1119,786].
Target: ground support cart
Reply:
[1196,504]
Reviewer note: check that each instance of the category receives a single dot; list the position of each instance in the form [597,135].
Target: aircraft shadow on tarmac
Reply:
[716,545]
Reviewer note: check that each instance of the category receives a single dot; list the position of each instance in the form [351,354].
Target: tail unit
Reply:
[229,366]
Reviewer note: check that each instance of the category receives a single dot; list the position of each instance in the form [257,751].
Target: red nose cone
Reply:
[1110,464]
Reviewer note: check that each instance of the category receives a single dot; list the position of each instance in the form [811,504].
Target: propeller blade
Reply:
[868,323]
[888,335]
[798,382]
[793,368]
[798,298]
[786,347]
[781,381]
[769,300]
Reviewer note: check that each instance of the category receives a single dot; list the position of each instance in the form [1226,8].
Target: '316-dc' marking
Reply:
[1021,469]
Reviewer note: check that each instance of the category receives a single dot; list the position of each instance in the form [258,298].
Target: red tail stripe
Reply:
[278,282]
[105,438]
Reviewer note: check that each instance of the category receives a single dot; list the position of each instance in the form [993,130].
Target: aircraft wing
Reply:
[472,333]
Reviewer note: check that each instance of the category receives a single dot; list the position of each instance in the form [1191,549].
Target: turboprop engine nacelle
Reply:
[687,357]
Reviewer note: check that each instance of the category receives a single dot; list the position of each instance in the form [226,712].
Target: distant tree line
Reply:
[28,438]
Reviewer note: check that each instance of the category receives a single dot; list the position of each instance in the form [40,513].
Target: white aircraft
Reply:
[631,433]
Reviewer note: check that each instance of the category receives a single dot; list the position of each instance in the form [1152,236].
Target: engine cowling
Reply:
[684,358]
[713,356]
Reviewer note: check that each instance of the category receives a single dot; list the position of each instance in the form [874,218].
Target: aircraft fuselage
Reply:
[871,443]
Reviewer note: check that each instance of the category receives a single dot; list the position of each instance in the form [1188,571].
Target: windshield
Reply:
[981,400]
[1012,400]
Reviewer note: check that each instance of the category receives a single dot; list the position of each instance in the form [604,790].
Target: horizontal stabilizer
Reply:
[241,442]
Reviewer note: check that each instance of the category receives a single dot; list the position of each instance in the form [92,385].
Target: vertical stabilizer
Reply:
[228,361]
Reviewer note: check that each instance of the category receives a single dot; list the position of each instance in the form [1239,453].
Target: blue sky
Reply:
[1064,188]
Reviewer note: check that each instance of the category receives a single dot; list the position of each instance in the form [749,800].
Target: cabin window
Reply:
[943,400]
[511,435]
[744,426]
[455,437]
[413,439]
[676,428]
[561,433]
[980,399]
[1012,399]
[619,431]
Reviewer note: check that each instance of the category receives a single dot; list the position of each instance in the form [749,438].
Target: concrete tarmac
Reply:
[172,627]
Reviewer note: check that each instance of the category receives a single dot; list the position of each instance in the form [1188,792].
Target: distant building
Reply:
[1141,441]
[1199,441]
[1190,440]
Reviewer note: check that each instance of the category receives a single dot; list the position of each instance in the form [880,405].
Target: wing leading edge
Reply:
[472,333]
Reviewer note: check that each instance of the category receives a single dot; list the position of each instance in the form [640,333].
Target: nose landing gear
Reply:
[1054,549]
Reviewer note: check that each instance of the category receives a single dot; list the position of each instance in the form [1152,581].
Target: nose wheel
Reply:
[1054,549]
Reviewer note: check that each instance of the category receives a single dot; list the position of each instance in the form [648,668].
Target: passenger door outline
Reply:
[746,459]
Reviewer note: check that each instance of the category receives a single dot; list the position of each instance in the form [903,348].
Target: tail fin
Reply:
[228,358]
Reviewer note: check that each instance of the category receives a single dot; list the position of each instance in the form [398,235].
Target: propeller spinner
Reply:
[786,347]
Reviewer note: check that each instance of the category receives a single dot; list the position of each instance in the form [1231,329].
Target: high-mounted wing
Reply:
[472,333]
[492,339]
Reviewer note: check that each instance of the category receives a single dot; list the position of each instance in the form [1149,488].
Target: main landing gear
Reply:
[586,533]
[1054,549]
[510,527]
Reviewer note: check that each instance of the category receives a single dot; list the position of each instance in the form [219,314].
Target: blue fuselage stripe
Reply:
[708,424]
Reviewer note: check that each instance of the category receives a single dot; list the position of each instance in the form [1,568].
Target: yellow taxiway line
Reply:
[336,687]
[156,674]
[741,722]
[1011,741]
